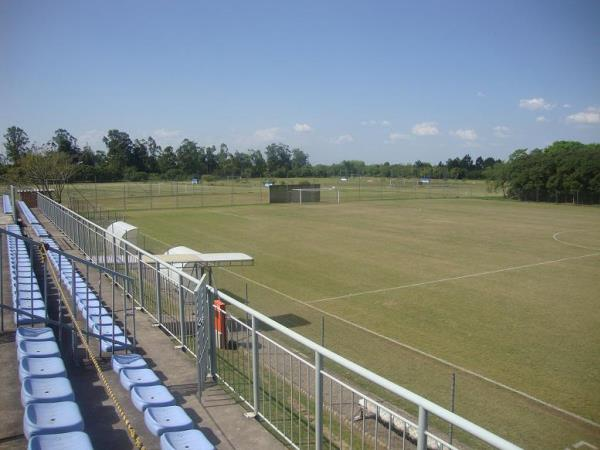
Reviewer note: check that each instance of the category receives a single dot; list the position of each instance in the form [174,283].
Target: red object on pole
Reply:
[220,322]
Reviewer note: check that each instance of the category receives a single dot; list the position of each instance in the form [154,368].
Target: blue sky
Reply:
[378,81]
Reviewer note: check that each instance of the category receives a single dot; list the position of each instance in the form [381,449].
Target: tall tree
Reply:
[64,142]
[119,146]
[16,141]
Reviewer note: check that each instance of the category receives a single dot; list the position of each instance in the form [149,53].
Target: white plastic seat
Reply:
[185,440]
[37,349]
[41,368]
[165,419]
[33,334]
[46,390]
[137,377]
[129,361]
[51,418]
[144,397]
[75,440]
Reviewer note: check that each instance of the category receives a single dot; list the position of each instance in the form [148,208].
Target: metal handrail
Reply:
[119,239]
[371,376]
[425,406]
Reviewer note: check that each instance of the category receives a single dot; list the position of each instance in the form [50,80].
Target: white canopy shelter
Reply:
[123,230]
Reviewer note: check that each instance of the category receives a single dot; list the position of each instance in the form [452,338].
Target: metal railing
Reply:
[55,298]
[307,406]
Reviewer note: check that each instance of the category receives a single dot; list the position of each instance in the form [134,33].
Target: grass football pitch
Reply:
[504,294]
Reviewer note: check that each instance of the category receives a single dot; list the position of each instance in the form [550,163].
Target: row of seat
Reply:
[52,419]
[91,307]
[6,204]
[162,416]
[39,230]
[27,212]
[25,290]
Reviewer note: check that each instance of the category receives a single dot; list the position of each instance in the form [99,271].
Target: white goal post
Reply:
[332,188]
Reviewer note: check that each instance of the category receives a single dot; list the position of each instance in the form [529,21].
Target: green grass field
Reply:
[413,288]
[234,192]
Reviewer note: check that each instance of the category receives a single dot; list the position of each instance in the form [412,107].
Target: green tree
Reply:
[15,143]
[64,142]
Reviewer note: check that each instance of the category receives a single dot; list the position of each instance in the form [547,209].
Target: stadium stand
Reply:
[52,419]
[6,204]
[46,393]
[27,212]
[26,293]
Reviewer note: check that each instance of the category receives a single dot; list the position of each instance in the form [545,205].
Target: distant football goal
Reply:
[303,193]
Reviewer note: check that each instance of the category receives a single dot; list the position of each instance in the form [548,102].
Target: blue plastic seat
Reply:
[185,440]
[33,334]
[46,390]
[27,305]
[51,418]
[165,419]
[114,343]
[95,312]
[41,368]
[130,361]
[38,316]
[151,396]
[75,440]
[37,349]
[137,377]
[106,330]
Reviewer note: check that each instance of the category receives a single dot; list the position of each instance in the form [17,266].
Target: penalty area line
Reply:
[423,353]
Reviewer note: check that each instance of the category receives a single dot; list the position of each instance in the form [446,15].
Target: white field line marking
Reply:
[429,355]
[555,237]
[460,277]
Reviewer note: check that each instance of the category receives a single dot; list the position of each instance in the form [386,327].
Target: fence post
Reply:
[421,432]
[255,379]
[211,327]
[141,279]
[158,299]
[318,401]
[181,313]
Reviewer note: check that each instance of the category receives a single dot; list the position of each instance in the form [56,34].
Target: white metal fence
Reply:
[306,405]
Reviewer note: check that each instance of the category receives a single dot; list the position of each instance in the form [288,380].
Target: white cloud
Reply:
[541,119]
[535,104]
[501,131]
[266,134]
[480,94]
[590,116]
[425,129]
[395,137]
[343,139]
[302,128]
[566,105]
[373,122]
[465,135]
[163,133]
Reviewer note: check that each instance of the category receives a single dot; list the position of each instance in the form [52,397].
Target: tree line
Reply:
[563,171]
[130,159]
[540,174]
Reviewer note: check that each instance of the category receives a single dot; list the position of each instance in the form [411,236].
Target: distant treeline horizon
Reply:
[540,174]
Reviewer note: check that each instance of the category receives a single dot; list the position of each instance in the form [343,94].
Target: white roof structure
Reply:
[184,256]
[123,230]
